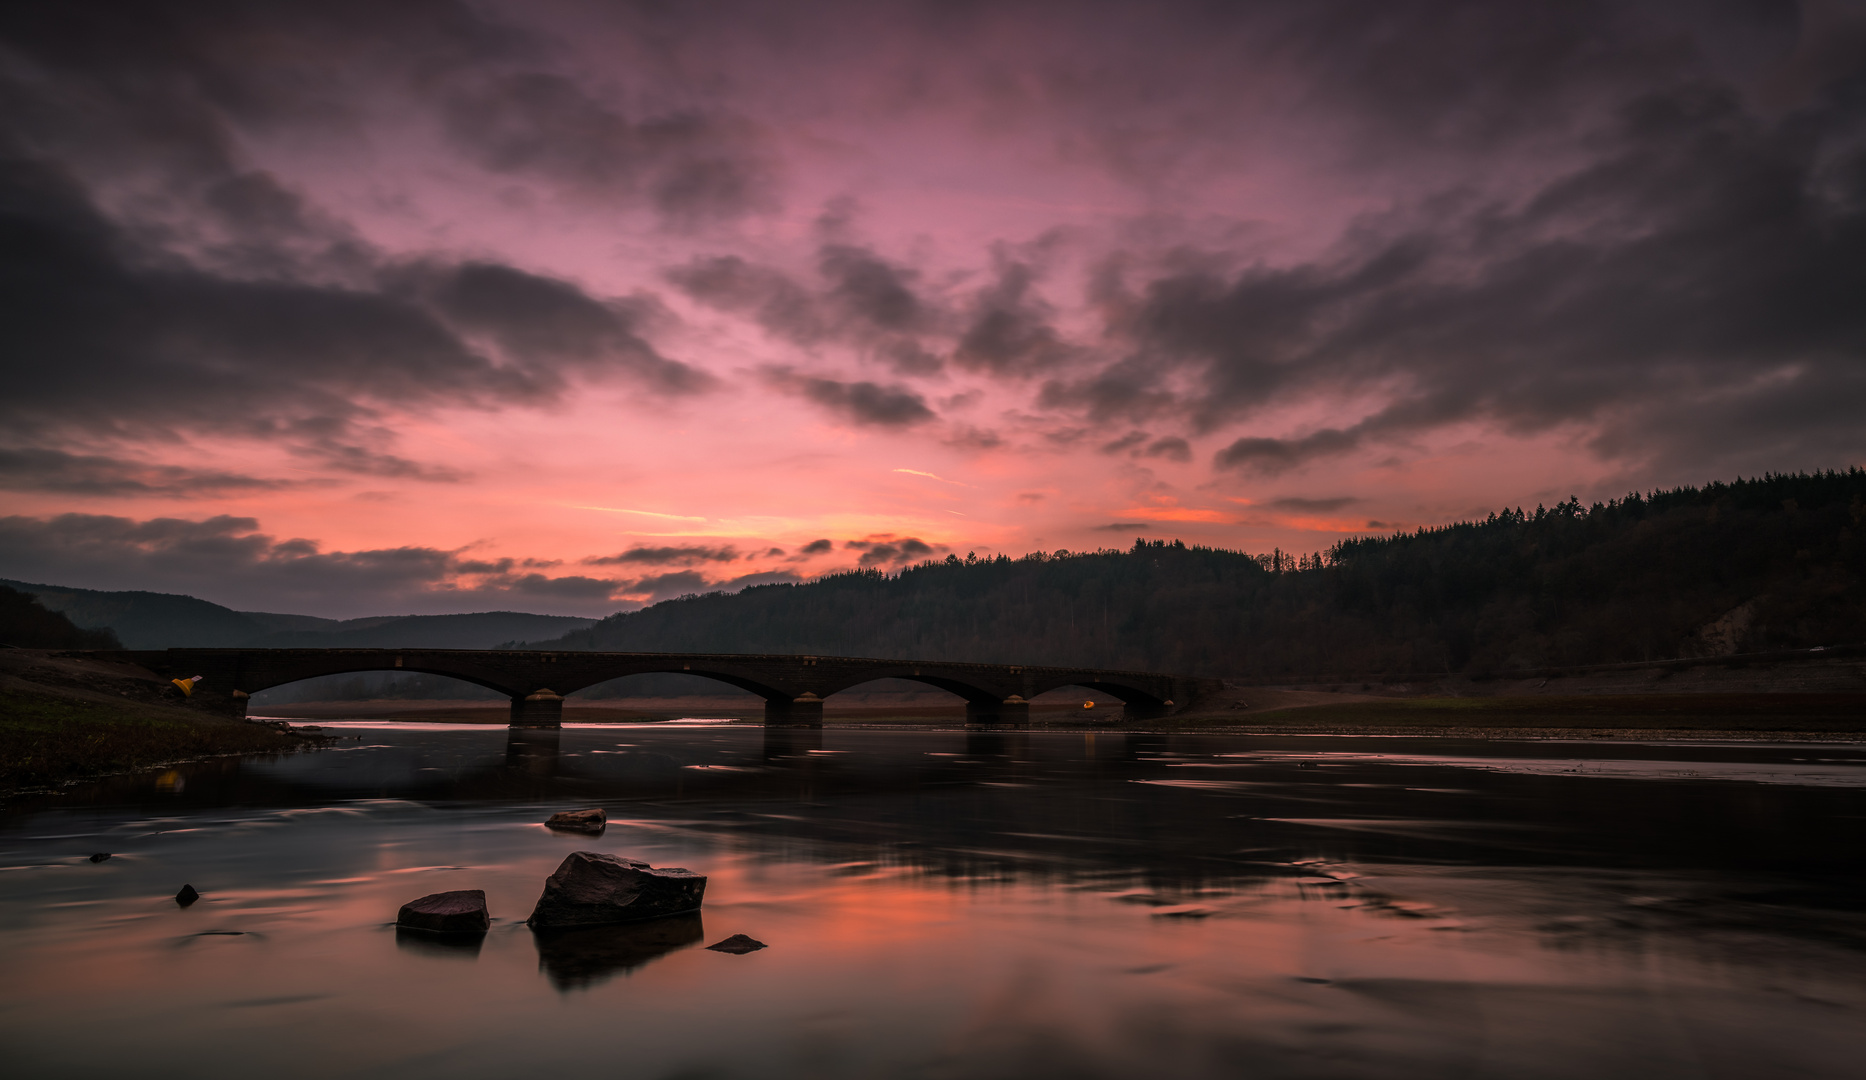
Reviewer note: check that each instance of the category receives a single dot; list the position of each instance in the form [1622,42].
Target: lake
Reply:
[951,903]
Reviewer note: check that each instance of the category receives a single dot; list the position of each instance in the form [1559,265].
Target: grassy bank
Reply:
[1831,714]
[46,738]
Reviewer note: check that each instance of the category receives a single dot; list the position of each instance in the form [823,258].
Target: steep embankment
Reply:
[63,718]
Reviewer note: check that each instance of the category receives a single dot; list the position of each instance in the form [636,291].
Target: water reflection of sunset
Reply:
[932,901]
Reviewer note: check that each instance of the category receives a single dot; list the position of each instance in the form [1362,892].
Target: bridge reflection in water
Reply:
[793,687]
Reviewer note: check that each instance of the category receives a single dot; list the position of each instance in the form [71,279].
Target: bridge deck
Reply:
[793,686]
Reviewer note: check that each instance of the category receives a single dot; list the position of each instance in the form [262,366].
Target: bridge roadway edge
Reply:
[536,682]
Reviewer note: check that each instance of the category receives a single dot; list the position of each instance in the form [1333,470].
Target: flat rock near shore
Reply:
[462,911]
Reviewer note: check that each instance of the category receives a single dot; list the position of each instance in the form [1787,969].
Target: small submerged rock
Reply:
[738,945]
[583,821]
[187,896]
[595,889]
[462,911]
[100,856]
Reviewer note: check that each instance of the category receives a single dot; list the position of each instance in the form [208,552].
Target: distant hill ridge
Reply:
[150,620]
[1772,563]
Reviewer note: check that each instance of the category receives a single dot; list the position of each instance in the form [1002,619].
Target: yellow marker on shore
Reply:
[186,686]
[1088,704]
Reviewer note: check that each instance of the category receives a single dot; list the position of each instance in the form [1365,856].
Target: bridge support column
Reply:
[792,740]
[539,709]
[1146,710]
[1013,711]
[804,710]
[533,750]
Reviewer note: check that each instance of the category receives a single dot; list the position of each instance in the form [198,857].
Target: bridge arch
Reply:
[967,691]
[260,683]
[764,689]
[1130,695]
[730,678]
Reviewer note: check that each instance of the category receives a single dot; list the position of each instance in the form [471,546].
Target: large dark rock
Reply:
[592,889]
[187,895]
[462,911]
[583,821]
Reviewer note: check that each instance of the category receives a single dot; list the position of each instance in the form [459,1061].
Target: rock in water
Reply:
[587,821]
[738,945]
[592,889]
[462,911]
[187,896]
[100,856]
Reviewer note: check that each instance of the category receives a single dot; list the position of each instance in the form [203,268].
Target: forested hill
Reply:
[1756,564]
[148,620]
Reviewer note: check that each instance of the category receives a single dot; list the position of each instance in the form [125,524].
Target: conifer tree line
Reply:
[1769,563]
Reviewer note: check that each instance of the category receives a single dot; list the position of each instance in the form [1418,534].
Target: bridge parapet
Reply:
[793,687]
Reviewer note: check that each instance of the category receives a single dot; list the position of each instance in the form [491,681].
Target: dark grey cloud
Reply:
[1123,526]
[887,549]
[91,474]
[229,560]
[693,165]
[362,460]
[1172,448]
[1136,444]
[730,283]
[568,587]
[686,555]
[871,289]
[1272,456]
[862,402]
[533,317]
[861,300]
[1009,332]
[108,336]
[1644,219]
[226,559]
[1689,293]
[816,547]
[667,586]
[893,552]
[218,300]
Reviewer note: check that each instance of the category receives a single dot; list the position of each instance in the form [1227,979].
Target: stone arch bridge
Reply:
[793,686]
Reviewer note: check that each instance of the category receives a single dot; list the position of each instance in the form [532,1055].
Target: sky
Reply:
[355,308]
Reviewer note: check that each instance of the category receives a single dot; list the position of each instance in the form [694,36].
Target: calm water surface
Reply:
[955,904]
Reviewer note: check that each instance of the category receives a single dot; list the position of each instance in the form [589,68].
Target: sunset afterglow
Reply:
[351,309]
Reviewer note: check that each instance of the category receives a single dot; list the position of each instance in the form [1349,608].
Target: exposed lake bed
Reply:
[949,902]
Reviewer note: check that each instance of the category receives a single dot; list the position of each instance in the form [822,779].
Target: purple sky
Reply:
[351,308]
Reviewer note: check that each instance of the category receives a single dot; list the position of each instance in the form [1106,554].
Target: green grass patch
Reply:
[46,739]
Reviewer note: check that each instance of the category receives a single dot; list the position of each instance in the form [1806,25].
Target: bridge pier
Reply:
[533,750]
[791,740]
[1013,711]
[804,710]
[538,709]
